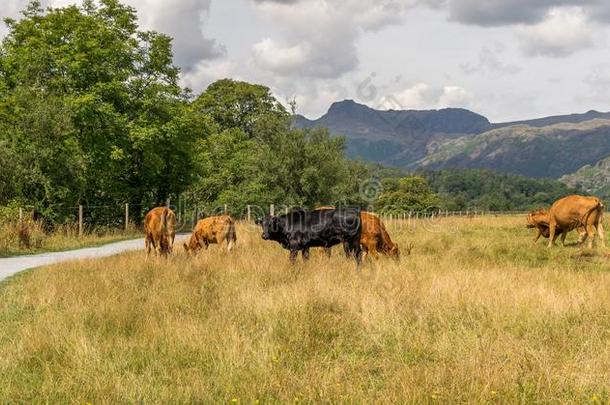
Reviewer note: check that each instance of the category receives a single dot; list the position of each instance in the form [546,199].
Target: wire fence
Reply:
[125,216]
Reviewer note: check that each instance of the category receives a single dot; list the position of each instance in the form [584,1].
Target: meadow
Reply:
[31,238]
[475,314]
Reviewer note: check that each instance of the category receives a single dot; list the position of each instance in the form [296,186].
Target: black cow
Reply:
[300,230]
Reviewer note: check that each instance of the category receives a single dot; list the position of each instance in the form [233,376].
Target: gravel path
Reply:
[13,265]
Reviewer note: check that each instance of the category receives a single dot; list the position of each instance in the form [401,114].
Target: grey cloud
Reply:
[277,1]
[489,61]
[505,12]
[182,20]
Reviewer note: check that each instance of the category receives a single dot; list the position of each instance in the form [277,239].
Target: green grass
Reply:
[476,314]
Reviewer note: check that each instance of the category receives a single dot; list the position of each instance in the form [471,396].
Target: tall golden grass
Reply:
[475,314]
[30,237]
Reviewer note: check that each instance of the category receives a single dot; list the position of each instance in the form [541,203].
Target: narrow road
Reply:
[13,265]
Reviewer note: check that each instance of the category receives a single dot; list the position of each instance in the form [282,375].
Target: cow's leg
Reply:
[148,245]
[355,250]
[552,234]
[305,254]
[538,234]
[601,233]
[563,238]
[157,245]
[346,249]
[293,255]
[591,234]
[229,245]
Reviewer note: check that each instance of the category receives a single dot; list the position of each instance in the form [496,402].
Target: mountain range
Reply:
[550,147]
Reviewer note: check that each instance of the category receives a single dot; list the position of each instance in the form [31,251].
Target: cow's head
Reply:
[192,246]
[394,252]
[270,227]
[538,218]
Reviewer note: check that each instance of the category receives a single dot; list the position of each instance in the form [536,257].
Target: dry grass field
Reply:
[64,237]
[475,314]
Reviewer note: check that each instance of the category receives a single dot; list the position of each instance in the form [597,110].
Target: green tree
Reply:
[411,193]
[91,108]
[237,104]
[256,157]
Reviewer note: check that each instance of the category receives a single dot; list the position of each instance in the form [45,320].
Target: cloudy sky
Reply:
[506,59]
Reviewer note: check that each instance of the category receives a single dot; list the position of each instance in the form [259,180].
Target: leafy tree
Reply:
[236,104]
[410,193]
[91,108]
[256,157]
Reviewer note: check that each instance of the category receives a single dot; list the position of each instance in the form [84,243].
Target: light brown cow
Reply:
[575,211]
[539,219]
[375,238]
[159,230]
[212,230]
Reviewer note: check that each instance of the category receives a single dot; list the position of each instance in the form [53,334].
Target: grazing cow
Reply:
[300,230]
[539,219]
[575,211]
[375,238]
[159,230]
[212,230]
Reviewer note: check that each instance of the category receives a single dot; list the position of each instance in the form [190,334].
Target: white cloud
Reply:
[454,96]
[282,59]
[207,72]
[563,32]
[424,96]
[319,37]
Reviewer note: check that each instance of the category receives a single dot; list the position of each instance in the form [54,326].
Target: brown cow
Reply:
[575,211]
[375,238]
[159,230]
[539,219]
[212,230]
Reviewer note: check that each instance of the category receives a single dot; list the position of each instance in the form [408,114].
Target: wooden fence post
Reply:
[80,220]
[249,213]
[226,210]
[272,210]
[20,215]
[126,216]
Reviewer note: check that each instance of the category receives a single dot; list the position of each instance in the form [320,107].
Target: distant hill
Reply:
[593,179]
[551,151]
[395,137]
[458,138]
[543,122]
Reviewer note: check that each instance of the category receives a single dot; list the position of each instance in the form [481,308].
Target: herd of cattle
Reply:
[359,232]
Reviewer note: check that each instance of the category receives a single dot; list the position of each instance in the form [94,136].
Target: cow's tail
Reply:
[164,230]
[230,235]
[164,216]
[598,207]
